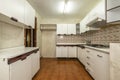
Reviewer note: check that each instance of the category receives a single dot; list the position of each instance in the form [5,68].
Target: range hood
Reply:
[96,22]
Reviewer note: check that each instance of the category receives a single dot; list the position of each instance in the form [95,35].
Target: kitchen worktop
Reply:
[105,50]
[13,52]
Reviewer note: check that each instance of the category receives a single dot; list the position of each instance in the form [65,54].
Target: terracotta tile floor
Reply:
[61,69]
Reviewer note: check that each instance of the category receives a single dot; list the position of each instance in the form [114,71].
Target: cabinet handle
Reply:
[88,63]
[14,19]
[29,26]
[99,56]
[88,51]
[23,58]
[88,57]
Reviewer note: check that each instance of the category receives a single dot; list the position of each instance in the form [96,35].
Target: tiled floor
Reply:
[61,69]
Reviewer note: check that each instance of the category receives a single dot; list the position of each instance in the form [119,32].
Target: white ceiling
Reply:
[49,9]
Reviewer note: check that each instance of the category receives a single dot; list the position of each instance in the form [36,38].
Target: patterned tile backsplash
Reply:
[103,36]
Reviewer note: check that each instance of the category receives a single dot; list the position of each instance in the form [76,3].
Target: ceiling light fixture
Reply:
[65,6]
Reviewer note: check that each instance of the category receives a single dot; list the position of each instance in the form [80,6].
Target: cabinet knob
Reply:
[88,63]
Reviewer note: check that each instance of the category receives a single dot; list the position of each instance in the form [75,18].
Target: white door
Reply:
[72,52]
[64,51]
[35,57]
[21,70]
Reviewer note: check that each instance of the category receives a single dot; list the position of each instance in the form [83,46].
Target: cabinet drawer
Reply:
[91,72]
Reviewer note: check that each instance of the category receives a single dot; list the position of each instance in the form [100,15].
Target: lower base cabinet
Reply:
[66,51]
[97,64]
[21,67]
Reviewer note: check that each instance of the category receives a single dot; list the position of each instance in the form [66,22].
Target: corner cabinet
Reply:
[18,10]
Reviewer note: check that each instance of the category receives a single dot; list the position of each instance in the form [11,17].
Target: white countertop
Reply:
[13,52]
[105,50]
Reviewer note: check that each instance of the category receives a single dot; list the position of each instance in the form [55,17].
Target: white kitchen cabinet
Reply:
[114,61]
[19,67]
[64,51]
[61,28]
[20,70]
[112,4]
[61,51]
[97,64]
[72,51]
[35,57]
[13,8]
[71,29]
[113,15]
[29,15]
[58,51]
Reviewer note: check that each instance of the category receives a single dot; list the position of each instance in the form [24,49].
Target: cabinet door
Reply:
[115,61]
[13,8]
[72,52]
[71,28]
[64,29]
[58,51]
[59,28]
[112,3]
[113,15]
[29,15]
[102,66]
[64,51]
[21,70]
[35,57]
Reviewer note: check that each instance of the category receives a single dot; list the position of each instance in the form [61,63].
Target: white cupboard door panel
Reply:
[29,15]
[21,70]
[35,63]
[13,8]
[72,52]
[59,28]
[4,69]
[64,29]
[115,61]
[113,15]
[58,51]
[112,3]
[71,28]
[64,51]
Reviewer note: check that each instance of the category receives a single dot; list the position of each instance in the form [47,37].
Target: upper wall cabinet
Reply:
[66,29]
[18,10]
[13,9]
[112,4]
[29,15]
[71,29]
[113,11]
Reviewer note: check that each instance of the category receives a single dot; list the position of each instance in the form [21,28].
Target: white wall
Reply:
[11,36]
